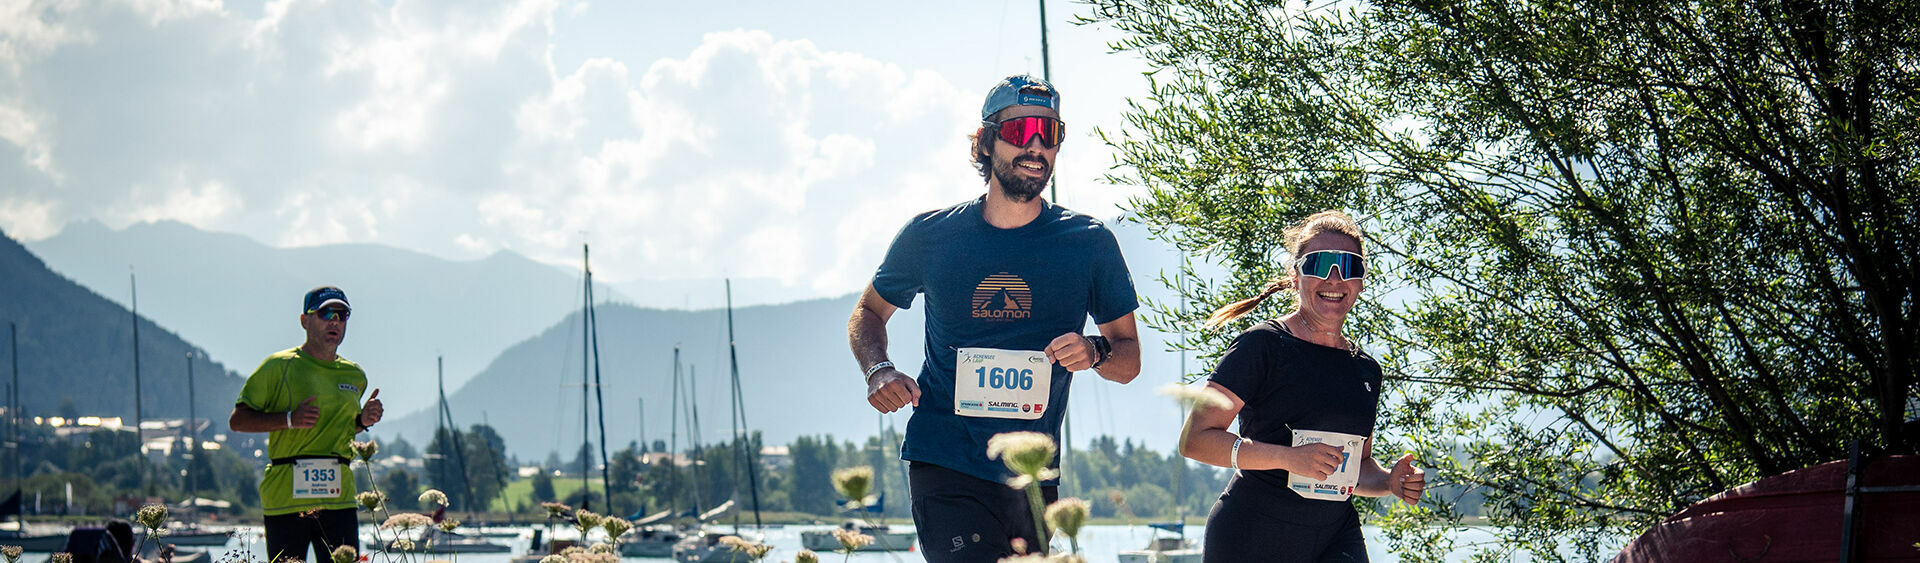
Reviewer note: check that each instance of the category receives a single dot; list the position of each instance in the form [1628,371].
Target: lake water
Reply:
[1098,543]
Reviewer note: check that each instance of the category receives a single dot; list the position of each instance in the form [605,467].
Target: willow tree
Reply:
[1626,254]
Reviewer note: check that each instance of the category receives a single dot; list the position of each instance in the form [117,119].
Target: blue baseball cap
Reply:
[320,297]
[1021,90]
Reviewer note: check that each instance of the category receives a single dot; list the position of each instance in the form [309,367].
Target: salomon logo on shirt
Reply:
[1002,297]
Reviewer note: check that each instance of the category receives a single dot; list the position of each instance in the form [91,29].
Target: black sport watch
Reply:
[1101,347]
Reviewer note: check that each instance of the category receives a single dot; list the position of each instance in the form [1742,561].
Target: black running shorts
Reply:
[962,518]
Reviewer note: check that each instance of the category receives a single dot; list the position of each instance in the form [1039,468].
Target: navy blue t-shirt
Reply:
[1011,289]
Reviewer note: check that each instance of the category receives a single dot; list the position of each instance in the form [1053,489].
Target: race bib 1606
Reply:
[994,383]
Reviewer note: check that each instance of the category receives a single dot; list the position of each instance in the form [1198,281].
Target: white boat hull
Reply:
[823,541]
[1173,556]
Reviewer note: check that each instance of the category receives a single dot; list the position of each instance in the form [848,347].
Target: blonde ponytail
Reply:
[1239,308]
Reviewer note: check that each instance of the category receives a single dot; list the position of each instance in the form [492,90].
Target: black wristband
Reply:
[1101,347]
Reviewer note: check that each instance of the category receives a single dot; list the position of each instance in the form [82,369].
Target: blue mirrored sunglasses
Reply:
[333,314]
[1320,264]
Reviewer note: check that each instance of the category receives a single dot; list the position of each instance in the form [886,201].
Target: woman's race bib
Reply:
[1339,485]
[991,383]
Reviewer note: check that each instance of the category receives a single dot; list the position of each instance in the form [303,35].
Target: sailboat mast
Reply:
[193,438]
[1053,195]
[453,433]
[740,413]
[673,432]
[1046,72]
[693,430]
[13,408]
[599,394]
[140,444]
[586,353]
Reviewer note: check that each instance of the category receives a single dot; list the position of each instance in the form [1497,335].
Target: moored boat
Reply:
[178,533]
[436,541]
[33,542]
[650,541]
[885,538]
[1164,549]
[704,546]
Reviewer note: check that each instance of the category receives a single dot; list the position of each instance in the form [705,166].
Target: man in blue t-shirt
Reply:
[1010,280]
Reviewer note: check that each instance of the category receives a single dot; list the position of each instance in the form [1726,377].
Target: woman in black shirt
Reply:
[1306,399]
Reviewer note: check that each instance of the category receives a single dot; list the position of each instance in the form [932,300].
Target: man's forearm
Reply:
[1124,364]
[867,335]
[245,419]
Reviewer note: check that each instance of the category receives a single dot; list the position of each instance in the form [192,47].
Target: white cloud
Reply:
[473,245]
[464,128]
[25,219]
[737,159]
[158,12]
[30,29]
[22,129]
[199,204]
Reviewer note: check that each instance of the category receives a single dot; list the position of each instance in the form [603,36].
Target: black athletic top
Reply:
[1288,383]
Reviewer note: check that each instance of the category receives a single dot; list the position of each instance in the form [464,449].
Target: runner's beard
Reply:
[1018,187]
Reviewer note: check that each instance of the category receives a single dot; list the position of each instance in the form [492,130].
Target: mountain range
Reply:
[73,350]
[796,378]
[241,298]
[509,331]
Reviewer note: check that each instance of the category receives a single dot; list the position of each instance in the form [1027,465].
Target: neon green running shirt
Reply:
[280,384]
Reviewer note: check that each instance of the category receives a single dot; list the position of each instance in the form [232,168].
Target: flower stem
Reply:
[1039,523]
[137,546]
[374,484]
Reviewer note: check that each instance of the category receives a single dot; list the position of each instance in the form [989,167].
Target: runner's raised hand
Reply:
[371,412]
[1072,351]
[305,415]
[1406,481]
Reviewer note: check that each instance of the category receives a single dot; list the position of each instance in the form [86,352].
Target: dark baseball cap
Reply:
[1021,90]
[325,295]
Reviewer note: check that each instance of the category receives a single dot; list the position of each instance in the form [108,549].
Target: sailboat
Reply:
[188,534]
[652,535]
[433,539]
[1175,549]
[12,506]
[885,538]
[186,531]
[589,392]
[705,546]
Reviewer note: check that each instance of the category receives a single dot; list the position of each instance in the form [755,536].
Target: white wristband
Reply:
[1234,458]
[289,419]
[875,368]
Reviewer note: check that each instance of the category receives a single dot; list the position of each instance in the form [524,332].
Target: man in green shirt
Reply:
[307,400]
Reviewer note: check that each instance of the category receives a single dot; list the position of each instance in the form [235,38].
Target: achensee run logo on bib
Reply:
[1002,297]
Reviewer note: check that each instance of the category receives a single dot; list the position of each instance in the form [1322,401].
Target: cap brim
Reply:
[323,304]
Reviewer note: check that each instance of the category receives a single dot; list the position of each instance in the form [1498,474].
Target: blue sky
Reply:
[686,140]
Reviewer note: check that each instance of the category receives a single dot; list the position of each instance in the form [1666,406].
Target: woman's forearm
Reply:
[1214,446]
[1373,479]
